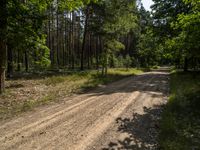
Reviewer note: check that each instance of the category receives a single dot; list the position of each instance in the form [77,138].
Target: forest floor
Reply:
[121,115]
[25,92]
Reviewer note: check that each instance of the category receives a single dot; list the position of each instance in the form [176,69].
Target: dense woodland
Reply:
[77,35]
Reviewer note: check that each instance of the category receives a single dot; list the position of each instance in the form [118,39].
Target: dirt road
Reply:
[122,115]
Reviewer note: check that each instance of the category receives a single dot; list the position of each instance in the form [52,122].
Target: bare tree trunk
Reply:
[97,53]
[18,61]
[3,50]
[49,34]
[3,47]
[57,36]
[64,41]
[88,50]
[52,51]
[79,36]
[65,56]
[186,64]
[26,61]
[84,38]
[9,61]
[72,40]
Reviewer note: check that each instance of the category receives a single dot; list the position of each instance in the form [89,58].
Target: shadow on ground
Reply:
[39,75]
[158,84]
[141,131]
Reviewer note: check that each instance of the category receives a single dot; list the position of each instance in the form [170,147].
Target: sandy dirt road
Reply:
[122,115]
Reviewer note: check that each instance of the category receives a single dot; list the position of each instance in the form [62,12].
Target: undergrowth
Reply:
[180,124]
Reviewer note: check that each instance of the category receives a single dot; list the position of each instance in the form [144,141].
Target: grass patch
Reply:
[155,67]
[54,80]
[39,91]
[180,124]
[113,75]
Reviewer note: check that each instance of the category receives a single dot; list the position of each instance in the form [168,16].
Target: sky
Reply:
[147,4]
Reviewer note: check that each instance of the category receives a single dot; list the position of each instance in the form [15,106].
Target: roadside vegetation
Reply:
[23,94]
[180,124]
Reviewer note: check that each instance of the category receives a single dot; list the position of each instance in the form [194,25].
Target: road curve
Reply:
[122,115]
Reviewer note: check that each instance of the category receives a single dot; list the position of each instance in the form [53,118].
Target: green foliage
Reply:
[190,29]
[155,67]
[164,13]
[111,20]
[113,45]
[75,4]
[42,61]
[181,120]
[25,30]
[177,25]
[149,51]
[110,48]
[120,61]
[26,23]
[128,61]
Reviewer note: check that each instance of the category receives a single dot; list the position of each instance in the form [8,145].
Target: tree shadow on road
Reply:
[158,83]
[141,131]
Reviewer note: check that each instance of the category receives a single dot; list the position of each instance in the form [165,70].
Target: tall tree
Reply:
[187,41]
[165,14]
[3,48]
[112,19]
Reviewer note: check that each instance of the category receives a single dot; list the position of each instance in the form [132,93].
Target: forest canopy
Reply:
[40,35]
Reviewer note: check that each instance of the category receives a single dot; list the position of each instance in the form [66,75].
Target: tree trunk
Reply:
[186,64]
[52,34]
[72,40]
[26,61]
[3,48]
[97,53]
[84,38]
[79,37]
[9,62]
[65,42]
[18,61]
[88,51]
[2,64]
[49,33]
[57,36]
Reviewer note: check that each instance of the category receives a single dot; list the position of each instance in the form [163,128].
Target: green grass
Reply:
[180,124]
[113,75]
[91,78]
[56,87]
[155,67]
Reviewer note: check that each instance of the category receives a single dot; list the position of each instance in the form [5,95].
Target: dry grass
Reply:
[25,94]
